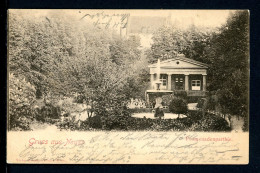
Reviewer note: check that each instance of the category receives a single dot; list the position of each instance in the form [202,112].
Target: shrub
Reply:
[194,122]
[21,123]
[170,124]
[48,111]
[69,106]
[95,122]
[180,94]
[209,122]
[178,106]
[116,122]
[193,99]
[140,124]
[80,99]
[194,115]
[201,103]
[211,102]
[39,116]
[21,98]
[167,98]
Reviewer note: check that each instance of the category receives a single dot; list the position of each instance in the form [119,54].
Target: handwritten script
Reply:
[103,20]
[130,147]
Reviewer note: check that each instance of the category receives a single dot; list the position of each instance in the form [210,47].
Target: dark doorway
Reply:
[179,82]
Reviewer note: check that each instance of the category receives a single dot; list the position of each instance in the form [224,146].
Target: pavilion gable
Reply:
[180,63]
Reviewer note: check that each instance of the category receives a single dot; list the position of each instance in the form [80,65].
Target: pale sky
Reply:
[206,18]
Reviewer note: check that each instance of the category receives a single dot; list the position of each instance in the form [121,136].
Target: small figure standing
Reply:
[158,108]
[158,113]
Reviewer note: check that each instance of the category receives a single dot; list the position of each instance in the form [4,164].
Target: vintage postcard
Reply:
[128,86]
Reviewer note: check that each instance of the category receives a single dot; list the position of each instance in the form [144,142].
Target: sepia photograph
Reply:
[128,86]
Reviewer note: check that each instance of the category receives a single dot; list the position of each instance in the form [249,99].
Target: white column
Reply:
[204,82]
[152,80]
[147,97]
[186,82]
[169,82]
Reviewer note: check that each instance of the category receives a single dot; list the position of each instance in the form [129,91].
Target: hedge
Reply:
[193,122]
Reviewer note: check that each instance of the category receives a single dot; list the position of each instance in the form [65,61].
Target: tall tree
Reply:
[61,56]
[229,55]
[170,41]
[167,42]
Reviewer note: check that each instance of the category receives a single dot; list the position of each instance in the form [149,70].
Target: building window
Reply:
[163,79]
[179,79]
[195,84]
[179,83]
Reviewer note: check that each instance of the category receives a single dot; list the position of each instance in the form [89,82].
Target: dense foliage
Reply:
[61,55]
[225,50]
[229,71]
[194,122]
[168,42]
[178,106]
[21,99]
[207,122]
[54,56]
[229,67]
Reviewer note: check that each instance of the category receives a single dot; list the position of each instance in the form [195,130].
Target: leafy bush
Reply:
[168,98]
[116,122]
[170,125]
[180,94]
[48,111]
[69,106]
[95,122]
[201,103]
[39,116]
[20,122]
[192,99]
[208,122]
[21,98]
[194,115]
[178,106]
[193,122]
[80,99]
[69,124]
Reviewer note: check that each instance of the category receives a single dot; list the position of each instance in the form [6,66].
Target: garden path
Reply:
[37,126]
[151,115]
[236,124]
[192,106]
